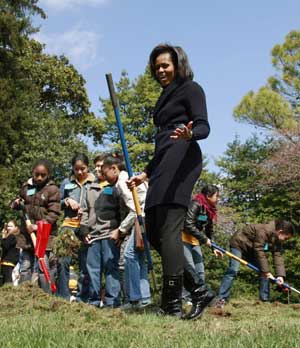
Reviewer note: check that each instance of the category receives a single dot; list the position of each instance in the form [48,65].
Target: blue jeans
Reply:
[193,263]
[26,266]
[63,274]
[194,258]
[136,272]
[230,274]
[83,279]
[103,257]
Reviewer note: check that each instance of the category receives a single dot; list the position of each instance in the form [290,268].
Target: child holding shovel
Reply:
[198,229]
[251,243]
[40,199]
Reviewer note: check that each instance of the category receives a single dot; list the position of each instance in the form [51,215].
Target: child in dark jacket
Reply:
[198,226]
[251,243]
[198,229]
[10,252]
[102,213]
[41,200]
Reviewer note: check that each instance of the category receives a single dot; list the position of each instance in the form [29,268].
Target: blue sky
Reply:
[228,43]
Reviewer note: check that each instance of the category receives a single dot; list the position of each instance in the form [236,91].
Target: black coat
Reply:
[198,222]
[10,252]
[177,164]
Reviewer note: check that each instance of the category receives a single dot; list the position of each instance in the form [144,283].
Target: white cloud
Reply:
[64,4]
[77,44]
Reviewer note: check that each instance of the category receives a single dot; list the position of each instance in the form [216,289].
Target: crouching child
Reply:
[251,243]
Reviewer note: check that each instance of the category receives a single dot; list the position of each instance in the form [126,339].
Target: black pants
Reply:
[7,273]
[164,225]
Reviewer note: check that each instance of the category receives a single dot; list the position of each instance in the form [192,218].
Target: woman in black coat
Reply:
[180,116]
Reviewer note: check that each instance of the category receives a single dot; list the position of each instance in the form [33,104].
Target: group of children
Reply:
[99,209]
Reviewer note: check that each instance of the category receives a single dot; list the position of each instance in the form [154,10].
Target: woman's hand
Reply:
[69,202]
[208,242]
[184,132]
[136,180]
[217,252]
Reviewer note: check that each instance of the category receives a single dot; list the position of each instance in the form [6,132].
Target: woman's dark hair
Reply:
[183,63]
[179,59]
[45,163]
[114,159]
[80,157]
[209,190]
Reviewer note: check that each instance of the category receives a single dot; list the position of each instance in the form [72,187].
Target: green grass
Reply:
[31,319]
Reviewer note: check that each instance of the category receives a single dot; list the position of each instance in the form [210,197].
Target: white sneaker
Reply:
[220,303]
[72,299]
[144,303]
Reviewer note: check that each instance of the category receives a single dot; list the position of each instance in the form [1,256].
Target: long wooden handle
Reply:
[138,210]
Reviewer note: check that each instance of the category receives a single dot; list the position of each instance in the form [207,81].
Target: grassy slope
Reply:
[30,318]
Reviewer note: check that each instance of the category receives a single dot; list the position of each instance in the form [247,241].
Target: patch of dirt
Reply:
[277,304]
[220,312]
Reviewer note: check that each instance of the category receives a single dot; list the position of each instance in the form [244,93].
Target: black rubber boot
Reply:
[171,299]
[201,297]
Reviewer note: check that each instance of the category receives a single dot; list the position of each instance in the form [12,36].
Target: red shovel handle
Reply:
[47,275]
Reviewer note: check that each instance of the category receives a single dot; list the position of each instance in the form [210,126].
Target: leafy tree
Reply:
[275,107]
[240,173]
[44,108]
[207,177]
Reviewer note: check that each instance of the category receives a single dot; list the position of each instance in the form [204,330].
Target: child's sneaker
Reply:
[130,305]
[144,303]
[220,303]
[72,299]
[134,305]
